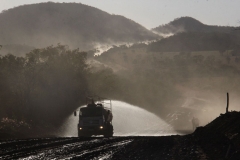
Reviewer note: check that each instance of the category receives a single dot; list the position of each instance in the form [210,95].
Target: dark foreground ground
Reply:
[218,140]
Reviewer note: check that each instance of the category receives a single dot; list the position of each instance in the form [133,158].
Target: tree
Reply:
[45,85]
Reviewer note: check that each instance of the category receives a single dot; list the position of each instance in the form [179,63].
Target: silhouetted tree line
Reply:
[47,84]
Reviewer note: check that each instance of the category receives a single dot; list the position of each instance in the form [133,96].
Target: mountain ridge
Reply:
[189,24]
[74,24]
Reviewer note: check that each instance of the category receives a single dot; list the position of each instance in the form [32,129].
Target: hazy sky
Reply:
[152,13]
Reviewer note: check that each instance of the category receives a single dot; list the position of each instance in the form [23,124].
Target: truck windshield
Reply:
[91,111]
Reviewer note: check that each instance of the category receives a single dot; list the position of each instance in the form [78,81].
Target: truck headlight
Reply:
[101,127]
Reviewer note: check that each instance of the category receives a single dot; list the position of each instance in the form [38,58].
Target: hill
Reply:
[188,24]
[74,24]
[197,41]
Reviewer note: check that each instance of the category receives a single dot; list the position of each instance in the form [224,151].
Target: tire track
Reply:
[22,148]
[84,149]
[63,148]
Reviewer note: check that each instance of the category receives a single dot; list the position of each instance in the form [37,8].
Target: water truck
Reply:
[95,118]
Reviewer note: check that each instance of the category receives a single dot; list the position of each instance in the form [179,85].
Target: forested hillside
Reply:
[197,41]
[73,24]
[48,84]
[179,84]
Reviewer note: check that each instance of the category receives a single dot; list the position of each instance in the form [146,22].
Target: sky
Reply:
[152,13]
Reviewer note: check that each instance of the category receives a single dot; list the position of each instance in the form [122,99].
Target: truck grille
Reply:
[90,122]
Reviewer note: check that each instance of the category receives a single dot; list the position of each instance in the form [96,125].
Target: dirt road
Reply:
[87,148]
[193,146]
[168,147]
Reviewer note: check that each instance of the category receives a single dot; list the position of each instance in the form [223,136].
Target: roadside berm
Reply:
[219,139]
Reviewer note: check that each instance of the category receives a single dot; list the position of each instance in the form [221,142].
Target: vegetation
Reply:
[159,81]
[47,84]
[196,41]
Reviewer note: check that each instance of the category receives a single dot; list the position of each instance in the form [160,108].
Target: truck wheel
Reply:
[109,132]
[107,135]
[80,135]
